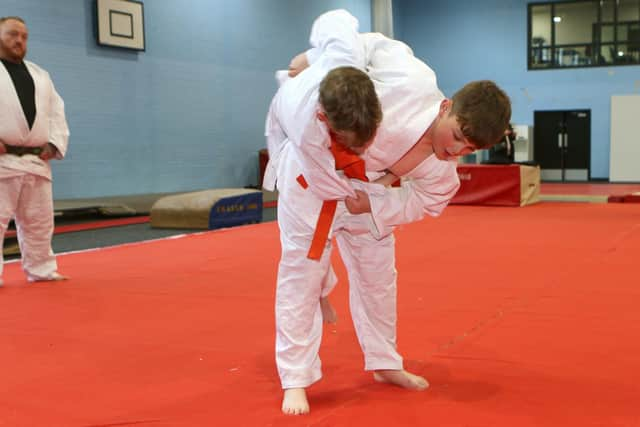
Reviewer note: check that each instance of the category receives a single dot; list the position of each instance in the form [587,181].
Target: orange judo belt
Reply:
[353,167]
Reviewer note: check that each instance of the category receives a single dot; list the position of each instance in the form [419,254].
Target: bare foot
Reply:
[55,277]
[295,402]
[401,378]
[329,314]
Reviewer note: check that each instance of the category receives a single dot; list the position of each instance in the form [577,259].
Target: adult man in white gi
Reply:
[33,130]
[418,122]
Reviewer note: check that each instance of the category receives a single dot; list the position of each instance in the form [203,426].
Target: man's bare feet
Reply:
[401,378]
[295,402]
[329,314]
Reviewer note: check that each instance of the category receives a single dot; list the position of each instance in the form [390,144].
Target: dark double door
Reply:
[562,144]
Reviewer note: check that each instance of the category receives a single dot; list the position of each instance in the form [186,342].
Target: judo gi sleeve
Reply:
[427,190]
[58,128]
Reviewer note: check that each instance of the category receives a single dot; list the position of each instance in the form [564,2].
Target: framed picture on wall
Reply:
[120,23]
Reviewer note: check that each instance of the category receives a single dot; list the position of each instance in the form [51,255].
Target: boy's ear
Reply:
[445,106]
[322,116]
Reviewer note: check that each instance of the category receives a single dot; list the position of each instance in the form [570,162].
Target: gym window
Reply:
[586,33]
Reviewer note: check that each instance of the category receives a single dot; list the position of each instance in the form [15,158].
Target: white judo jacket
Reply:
[410,100]
[292,115]
[50,124]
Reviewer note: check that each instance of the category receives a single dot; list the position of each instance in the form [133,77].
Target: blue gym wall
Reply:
[464,40]
[186,114]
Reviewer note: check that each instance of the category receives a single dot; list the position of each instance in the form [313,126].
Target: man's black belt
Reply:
[21,151]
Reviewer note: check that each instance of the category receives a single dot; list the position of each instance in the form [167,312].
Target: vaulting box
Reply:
[208,209]
[498,185]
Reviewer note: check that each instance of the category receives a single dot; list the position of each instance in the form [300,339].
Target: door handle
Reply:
[566,140]
[560,143]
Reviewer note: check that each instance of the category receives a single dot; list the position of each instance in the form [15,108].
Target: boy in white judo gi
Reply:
[421,133]
[33,130]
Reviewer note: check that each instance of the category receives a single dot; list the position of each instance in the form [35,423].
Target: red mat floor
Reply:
[517,317]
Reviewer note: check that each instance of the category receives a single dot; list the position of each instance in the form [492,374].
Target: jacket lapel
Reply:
[13,101]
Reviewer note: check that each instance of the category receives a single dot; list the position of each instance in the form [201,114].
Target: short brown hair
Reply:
[483,111]
[349,100]
[15,18]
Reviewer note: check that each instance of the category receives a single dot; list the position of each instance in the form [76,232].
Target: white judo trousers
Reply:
[28,198]
[302,281]
[25,181]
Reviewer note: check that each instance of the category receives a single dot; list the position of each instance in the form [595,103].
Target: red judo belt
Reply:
[353,167]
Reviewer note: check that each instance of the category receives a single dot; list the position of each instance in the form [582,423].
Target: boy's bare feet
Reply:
[401,378]
[54,277]
[329,314]
[295,402]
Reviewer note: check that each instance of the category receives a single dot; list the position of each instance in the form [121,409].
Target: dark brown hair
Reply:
[349,100]
[483,111]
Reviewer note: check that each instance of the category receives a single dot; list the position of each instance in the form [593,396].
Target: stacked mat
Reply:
[628,198]
[498,185]
[208,209]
